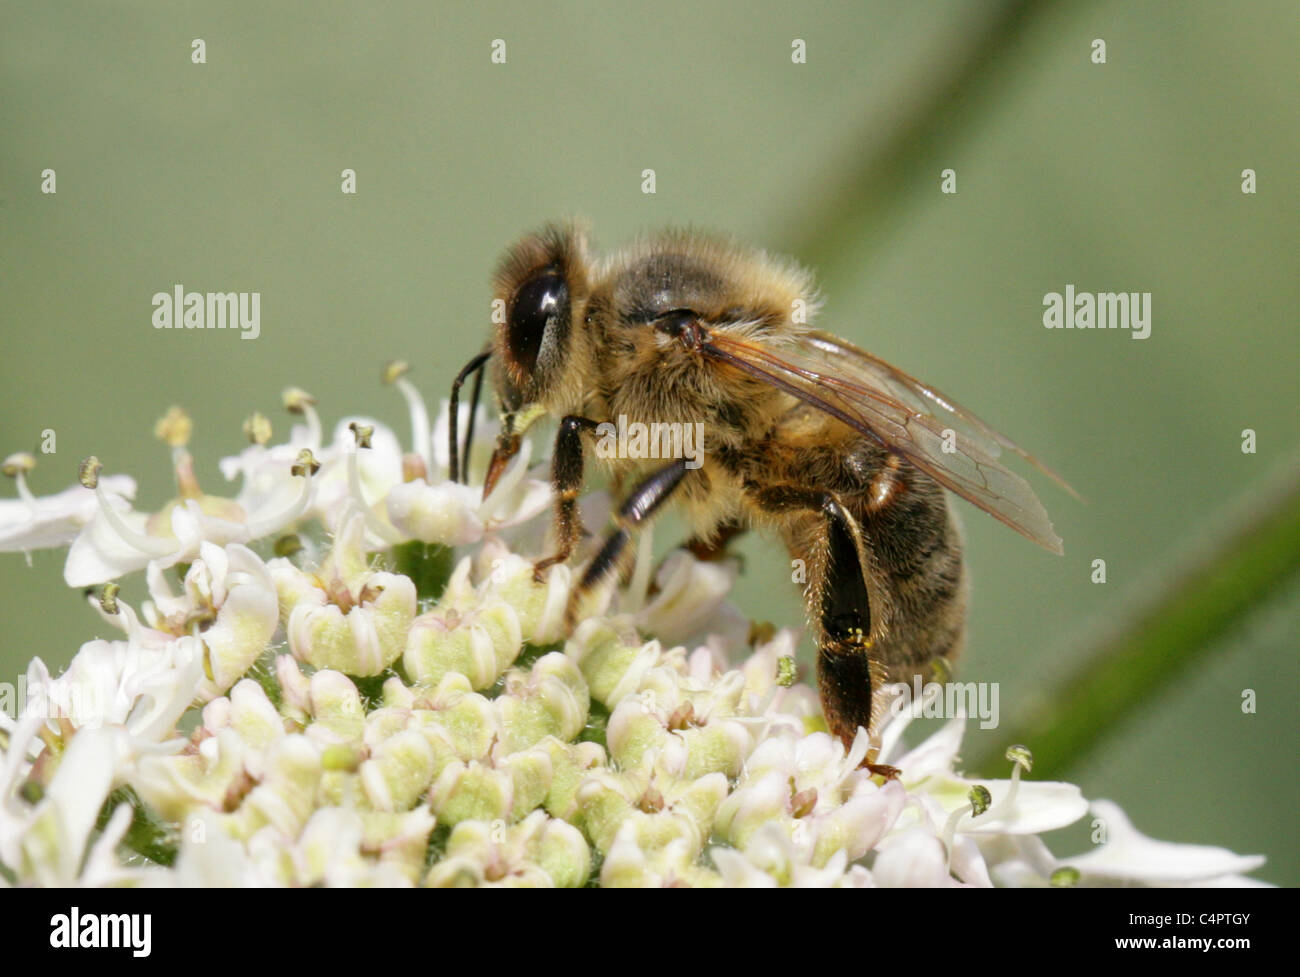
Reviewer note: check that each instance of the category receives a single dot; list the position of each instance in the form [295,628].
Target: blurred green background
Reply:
[1122,176]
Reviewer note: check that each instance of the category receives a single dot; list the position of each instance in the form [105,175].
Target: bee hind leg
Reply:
[849,673]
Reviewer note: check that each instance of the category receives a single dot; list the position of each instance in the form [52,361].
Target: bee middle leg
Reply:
[849,674]
[644,500]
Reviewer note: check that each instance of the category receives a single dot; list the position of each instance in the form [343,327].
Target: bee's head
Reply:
[539,284]
[539,291]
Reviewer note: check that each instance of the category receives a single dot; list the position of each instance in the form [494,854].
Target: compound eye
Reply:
[540,301]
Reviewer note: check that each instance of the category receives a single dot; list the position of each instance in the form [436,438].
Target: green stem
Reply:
[1255,553]
[146,835]
[880,172]
[428,565]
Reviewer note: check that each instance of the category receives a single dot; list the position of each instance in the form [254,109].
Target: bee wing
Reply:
[889,407]
[908,390]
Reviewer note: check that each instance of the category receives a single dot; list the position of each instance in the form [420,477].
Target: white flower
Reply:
[344,479]
[628,864]
[819,797]
[49,842]
[212,859]
[409,496]
[772,861]
[346,616]
[462,746]
[354,478]
[694,728]
[775,703]
[508,577]
[437,510]
[469,635]
[650,806]
[1129,857]
[33,523]
[1017,807]
[263,471]
[538,852]
[914,858]
[550,699]
[691,603]
[230,599]
[117,541]
[142,685]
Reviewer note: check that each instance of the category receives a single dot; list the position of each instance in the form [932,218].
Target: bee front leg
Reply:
[566,480]
[640,505]
[849,674]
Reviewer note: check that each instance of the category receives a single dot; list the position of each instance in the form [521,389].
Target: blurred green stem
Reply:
[1250,558]
[146,835]
[1224,583]
[883,170]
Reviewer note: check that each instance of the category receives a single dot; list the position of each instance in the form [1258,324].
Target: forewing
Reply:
[875,403]
[907,389]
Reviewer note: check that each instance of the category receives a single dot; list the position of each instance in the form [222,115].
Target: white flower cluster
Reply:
[367,715]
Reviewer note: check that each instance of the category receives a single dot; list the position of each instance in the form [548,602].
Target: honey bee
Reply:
[843,455]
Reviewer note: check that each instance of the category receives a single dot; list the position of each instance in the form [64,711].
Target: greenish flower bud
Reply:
[399,771]
[472,792]
[286,796]
[336,707]
[612,668]
[540,606]
[1065,876]
[480,644]
[550,700]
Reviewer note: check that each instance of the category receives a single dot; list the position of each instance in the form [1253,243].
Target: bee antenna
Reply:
[474,366]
